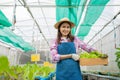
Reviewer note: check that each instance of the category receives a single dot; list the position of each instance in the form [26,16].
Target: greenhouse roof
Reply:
[34,19]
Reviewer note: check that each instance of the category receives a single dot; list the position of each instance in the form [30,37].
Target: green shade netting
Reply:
[92,14]
[3,20]
[25,45]
[79,12]
[69,9]
[8,36]
[73,9]
[64,10]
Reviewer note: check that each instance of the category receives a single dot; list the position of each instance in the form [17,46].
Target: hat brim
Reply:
[58,23]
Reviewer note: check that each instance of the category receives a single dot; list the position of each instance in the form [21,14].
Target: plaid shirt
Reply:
[78,44]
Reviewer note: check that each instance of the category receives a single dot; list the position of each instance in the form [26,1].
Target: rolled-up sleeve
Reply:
[53,52]
[83,45]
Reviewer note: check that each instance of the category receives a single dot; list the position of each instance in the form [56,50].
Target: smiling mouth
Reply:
[65,32]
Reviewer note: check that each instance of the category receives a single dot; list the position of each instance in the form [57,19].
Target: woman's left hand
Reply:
[75,57]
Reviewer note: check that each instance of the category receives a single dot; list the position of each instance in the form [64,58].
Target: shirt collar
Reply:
[64,39]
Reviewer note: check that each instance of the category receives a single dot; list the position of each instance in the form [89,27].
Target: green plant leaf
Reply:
[117,53]
[118,65]
[4,63]
[118,48]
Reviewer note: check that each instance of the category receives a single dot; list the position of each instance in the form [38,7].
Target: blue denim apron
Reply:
[67,69]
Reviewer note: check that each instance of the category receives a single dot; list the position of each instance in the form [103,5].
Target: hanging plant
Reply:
[118,57]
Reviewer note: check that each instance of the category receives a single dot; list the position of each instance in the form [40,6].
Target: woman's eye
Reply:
[63,26]
[68,26]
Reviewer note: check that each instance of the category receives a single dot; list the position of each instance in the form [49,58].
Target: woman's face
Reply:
[65,29]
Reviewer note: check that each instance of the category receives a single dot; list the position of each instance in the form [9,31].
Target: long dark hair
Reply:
[59,35]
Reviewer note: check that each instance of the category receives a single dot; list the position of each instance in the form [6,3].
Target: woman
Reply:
[64,52]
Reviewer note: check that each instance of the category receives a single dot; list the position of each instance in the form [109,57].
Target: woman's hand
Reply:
[75,57]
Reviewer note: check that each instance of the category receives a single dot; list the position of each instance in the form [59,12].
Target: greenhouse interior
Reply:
[27,31]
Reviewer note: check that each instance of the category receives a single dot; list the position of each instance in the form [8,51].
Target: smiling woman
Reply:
[28,26]
[65,29]
[64,51]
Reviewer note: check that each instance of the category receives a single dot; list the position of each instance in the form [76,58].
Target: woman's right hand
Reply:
[75,57]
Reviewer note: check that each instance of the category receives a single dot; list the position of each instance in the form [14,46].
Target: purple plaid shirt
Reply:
[78,44]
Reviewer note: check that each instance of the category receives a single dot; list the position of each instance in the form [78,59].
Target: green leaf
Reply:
[118,48]
[117,59]
[118,65]
[4,63]
[117,53]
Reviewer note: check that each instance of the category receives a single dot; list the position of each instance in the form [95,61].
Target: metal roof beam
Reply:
[104,26]
[25,5]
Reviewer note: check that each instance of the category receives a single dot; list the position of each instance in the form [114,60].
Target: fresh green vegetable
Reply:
[93,54]
[118,57]
[25,72]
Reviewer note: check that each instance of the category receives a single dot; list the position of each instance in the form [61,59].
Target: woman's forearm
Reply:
[65,56]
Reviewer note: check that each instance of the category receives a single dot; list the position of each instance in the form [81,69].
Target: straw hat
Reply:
[64,20]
